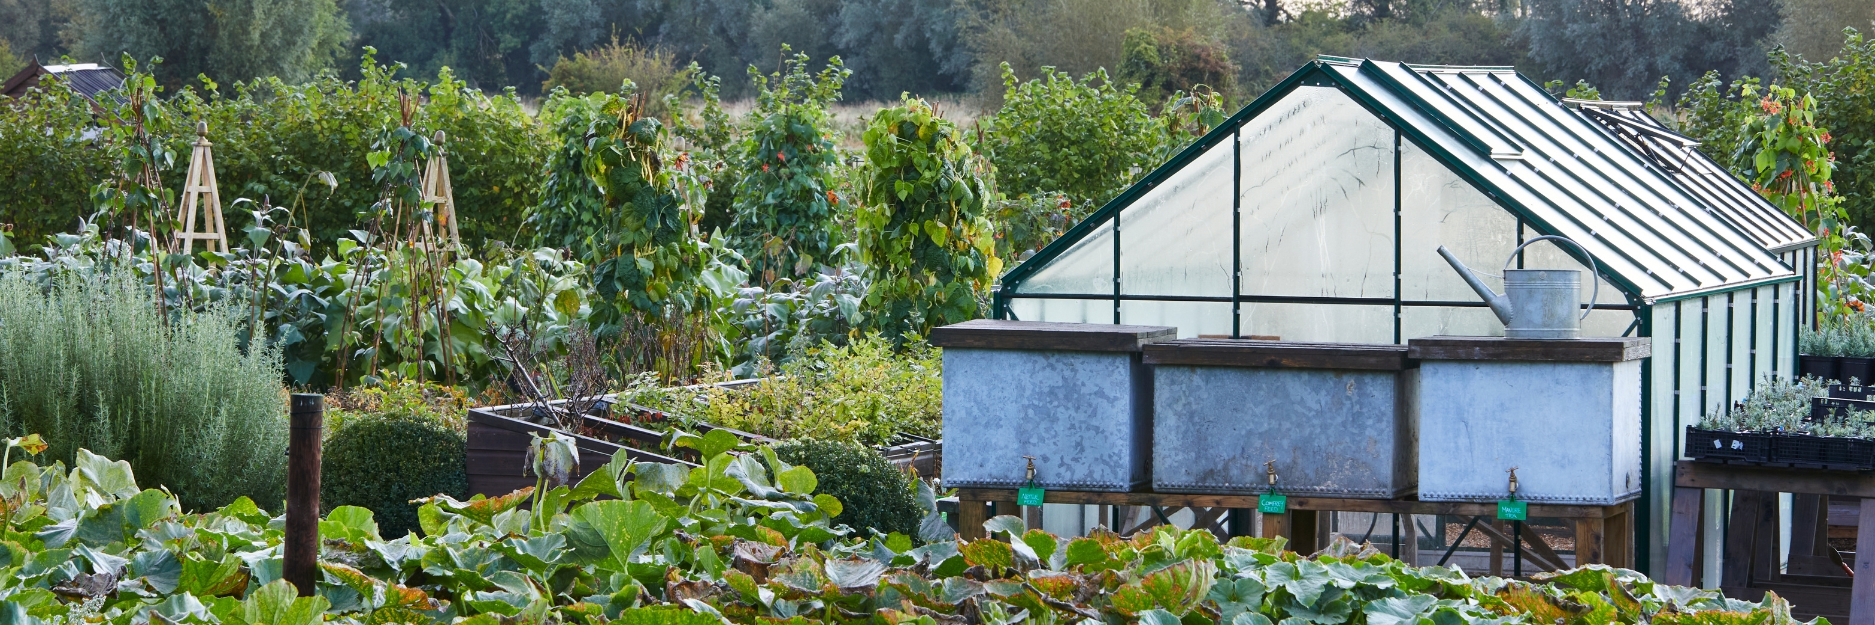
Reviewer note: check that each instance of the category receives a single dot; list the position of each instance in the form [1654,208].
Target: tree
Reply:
[1087,138]
[1844,88]
[1164,61]
[1625,46]
[226,39]
[39,28]
[487,42]
[924,234]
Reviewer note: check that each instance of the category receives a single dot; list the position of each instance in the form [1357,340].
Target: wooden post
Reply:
[971,513]
[1862,597]
[1589,544]
[1497,548]
[1682,531]
[437,190]
[304,429]
[199,189]
[1031,516]
[1302,527]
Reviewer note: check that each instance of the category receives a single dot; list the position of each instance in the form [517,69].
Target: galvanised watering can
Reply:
[1537,303]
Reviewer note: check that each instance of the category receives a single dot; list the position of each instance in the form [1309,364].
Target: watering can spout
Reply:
[1499,303]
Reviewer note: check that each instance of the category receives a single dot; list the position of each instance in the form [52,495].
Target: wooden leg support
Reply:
[1862,598]
[1591,546]
[970,518]
[1683,536]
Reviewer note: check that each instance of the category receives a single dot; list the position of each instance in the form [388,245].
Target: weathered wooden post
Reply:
[302,490]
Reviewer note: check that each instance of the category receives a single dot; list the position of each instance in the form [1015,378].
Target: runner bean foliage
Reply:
[785,202]
[742,539]
[924,230]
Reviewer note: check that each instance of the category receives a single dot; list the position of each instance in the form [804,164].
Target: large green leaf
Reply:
[101,477]
[798,480]
[351,524]
[855,573]
[278,603]
[158,568]
[1236,596]
[1398,610]
[626,526]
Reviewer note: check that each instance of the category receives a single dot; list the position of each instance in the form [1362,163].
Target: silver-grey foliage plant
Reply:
[87,361]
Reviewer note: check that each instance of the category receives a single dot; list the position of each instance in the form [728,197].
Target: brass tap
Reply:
[1269,468]
[1031,470]
[1513,481]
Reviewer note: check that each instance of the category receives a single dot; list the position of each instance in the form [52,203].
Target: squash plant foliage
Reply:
[739,540]
[924,234]
[785,200]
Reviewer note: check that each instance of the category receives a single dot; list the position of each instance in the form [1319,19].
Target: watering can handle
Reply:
[1595,275]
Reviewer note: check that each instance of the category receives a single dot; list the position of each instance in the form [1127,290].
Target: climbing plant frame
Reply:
[1314,214]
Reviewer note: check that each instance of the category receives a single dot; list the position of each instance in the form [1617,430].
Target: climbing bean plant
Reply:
[924,233]
[785,200]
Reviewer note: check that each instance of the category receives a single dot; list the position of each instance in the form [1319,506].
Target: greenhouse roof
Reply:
[1677,155]
[1657,234]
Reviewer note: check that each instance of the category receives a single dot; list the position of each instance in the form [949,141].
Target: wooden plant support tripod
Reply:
[438,192]
[199,189]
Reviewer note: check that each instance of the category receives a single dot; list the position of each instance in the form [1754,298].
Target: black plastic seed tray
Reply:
[1729,447]
[1856,392]
[1832,409]
[1824,452]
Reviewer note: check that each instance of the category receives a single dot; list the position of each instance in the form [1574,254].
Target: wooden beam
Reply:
[1277,354]
[1682,536]
[1089,337]
[1586,349]
[1589,543]
[1303,538]
[1278,525]
[1862,597]
[971,513]
[1751,478]
[1741,529]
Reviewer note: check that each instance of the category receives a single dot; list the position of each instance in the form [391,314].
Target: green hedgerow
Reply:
[877,497]
[391,445]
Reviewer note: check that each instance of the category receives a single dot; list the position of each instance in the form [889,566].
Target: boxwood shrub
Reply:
[876,496]
[387,446]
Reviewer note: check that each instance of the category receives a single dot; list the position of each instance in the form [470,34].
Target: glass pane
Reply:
[1423,321]
[1328,323]
[1192,319]
[1318,199]
[1439,208]
[1062,310]
[1176,239]
[1084,269]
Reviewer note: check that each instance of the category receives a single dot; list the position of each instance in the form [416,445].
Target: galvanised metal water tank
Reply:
[1331,419]
[1074,396]
[1566,413]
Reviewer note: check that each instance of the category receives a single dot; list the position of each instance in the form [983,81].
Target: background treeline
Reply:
[928,47]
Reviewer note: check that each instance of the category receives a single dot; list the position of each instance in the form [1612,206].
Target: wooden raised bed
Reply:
[498,439]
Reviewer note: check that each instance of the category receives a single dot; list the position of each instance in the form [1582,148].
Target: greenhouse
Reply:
[1315,213]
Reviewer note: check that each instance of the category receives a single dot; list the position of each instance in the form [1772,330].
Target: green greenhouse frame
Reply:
[1347,160]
